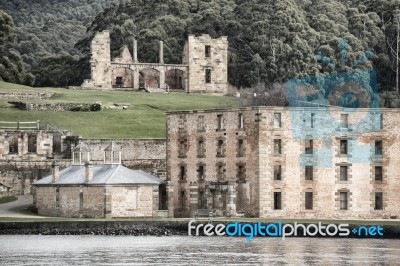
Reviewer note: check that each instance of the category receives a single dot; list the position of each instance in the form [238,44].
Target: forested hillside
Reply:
[44,33]
[270,41]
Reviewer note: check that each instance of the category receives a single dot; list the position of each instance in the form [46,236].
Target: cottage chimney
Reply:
[88,171]
[55,171]
[161,52]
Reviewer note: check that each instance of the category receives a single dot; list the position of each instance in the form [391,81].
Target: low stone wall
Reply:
[25,95]
[57,107]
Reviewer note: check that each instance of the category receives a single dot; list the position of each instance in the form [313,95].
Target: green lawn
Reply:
[7,199]
[145,117]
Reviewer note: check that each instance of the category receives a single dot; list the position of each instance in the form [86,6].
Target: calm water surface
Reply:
[183,250]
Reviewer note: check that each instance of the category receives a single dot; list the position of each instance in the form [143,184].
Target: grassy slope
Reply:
[144,119]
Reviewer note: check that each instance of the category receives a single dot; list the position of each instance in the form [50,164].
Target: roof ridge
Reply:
[112,175]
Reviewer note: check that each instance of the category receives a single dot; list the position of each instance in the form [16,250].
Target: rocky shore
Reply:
[136,228]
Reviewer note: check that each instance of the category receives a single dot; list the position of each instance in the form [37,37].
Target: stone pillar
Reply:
[231,205]
[170,195]
[135,51]
[135,79]
[161,54]
[156,202]
[162,79]
[194,198]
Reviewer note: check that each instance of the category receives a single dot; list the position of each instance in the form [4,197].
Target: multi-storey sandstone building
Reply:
[285,162]
[204,67]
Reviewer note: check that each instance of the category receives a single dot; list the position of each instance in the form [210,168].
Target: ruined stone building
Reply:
[280,162]
[105,190]
[26,155]
[204,67]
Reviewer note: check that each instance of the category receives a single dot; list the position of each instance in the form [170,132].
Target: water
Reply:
[183,250]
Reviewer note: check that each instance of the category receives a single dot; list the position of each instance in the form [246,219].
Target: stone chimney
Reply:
[55,171]
[161,52]
[88,171]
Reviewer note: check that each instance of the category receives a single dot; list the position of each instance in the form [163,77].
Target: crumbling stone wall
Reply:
[203,54]
[25,95]
[145,154]
[204,67]
[100,62]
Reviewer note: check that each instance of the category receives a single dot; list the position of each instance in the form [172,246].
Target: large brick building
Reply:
[285,162]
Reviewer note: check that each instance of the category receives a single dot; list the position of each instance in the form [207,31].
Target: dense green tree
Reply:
[12,68]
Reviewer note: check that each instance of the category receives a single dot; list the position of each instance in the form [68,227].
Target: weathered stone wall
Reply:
[132,201]
[34,144]
[125,73]
[199,61]
[69,201]
[148,155]
[45,198]
[100,62]
[25,95]
[255,196]
[93,201]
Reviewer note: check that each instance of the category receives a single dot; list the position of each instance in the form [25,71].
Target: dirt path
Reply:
[11,209]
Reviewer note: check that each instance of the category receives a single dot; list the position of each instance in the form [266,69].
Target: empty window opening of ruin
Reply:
[208,75]
[207,51]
